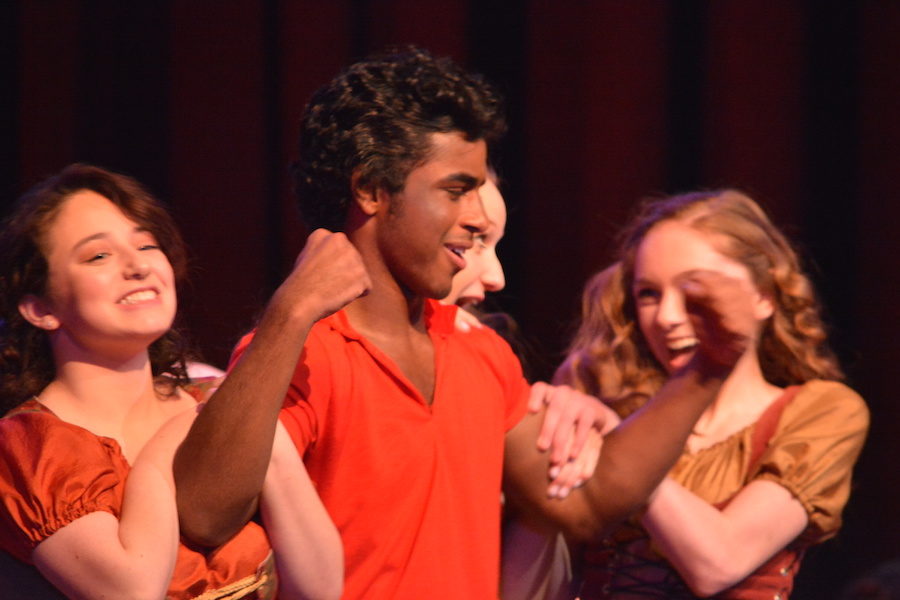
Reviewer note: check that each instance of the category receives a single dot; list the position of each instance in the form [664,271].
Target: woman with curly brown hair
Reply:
[92,384]
[766,471]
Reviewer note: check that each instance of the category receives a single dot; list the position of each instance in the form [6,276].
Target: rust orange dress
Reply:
[53,472]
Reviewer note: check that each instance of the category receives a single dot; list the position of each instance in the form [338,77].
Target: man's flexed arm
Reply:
[221,465]
[639,453]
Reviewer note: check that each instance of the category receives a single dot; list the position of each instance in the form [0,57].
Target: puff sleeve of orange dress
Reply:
[53,472]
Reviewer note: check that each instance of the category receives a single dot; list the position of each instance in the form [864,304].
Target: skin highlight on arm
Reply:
[220,467]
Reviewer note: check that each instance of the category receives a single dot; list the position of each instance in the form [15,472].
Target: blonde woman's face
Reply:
[669,251]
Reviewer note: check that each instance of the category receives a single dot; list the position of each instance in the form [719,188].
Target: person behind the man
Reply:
[407,426]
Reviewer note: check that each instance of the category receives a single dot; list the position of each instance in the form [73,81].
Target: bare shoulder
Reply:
[182,410]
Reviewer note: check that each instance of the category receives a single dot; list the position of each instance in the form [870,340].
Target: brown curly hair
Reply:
[26,360]
[609,357]
[374,121]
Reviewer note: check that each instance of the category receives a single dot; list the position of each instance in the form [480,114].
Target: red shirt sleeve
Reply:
[506,366]
[307,397]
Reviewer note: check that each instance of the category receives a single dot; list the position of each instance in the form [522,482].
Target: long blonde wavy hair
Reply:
[609,357]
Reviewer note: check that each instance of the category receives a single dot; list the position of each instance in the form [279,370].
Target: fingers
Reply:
[563,476]
[575,472]
[583,429]
[466,321]
[334,251]
[607,419]
[720,308]
[328,274]
[590,455]
[318,236]
[576,412]
[552,415]
[568,419]
[537,396]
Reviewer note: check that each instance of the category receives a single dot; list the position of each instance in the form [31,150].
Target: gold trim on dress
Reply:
[261,586]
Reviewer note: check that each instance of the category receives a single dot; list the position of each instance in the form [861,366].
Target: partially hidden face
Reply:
[483,272]
[670,250]
[108,281]
[425,229]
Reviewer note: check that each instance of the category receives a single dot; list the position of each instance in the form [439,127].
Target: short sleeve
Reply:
[812,454]
[309,384]
[506,368]
[52,473]
[305,409]
[517,391]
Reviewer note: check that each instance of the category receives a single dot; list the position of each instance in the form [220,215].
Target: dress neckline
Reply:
[774,405]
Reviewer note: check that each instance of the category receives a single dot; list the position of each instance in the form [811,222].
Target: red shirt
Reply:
[414,489]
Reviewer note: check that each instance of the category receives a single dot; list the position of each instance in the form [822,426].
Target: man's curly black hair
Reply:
[374,120]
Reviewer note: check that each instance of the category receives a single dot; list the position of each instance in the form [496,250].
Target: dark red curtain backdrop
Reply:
[796,102]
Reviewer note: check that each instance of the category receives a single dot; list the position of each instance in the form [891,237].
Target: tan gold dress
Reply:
[807,441]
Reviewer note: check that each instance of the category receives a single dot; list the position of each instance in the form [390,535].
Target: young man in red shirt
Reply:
[407,426]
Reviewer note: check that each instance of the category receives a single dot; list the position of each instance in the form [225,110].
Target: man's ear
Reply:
[365,196]
[37,311]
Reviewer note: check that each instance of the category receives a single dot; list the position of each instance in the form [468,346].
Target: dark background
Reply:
[795,102]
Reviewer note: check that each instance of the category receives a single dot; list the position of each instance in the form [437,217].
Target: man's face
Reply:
[432,221]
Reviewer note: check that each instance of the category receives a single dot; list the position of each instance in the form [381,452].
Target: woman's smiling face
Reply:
[108,281]
[670,251]
[483,272]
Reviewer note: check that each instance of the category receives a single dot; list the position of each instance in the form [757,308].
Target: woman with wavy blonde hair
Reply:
[766,471]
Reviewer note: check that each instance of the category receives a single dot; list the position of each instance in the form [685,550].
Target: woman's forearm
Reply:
[308,550]
[714,549]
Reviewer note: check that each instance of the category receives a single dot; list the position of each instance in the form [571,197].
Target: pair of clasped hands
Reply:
[574,424]
[330,273]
